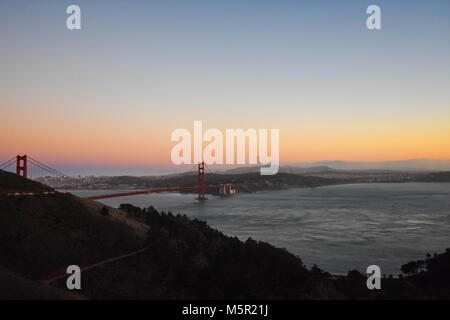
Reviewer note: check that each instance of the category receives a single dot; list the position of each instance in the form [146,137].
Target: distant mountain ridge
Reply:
[284,168]
[329,166]
[401,165]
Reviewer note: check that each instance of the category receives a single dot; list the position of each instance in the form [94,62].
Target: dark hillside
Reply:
[40,234]
[16,287]
[10,182]
[188,259]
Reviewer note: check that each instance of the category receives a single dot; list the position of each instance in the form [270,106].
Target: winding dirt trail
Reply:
[61,273]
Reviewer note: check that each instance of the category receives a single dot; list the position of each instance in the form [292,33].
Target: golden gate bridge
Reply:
[28,167]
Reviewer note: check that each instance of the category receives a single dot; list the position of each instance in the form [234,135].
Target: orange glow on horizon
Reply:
[134,139]
[115,147]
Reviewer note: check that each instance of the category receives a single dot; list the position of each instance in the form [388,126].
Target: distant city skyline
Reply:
[109,95]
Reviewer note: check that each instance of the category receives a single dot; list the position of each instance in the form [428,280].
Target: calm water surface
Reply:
[339,228]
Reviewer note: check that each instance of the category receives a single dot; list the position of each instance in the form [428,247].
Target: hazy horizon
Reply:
[155,170]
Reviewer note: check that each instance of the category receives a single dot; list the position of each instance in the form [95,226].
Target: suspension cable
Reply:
[45,167]
[7,163]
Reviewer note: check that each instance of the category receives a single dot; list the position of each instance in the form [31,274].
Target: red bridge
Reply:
[21,164]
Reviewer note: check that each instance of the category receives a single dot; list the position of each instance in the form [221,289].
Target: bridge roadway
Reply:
[158,190]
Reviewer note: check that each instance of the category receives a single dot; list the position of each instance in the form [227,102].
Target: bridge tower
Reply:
[201,181]
[21,165]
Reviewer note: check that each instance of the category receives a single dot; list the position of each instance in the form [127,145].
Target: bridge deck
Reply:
[157,190]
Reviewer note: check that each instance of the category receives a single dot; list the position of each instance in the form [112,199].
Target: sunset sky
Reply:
[111,93]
